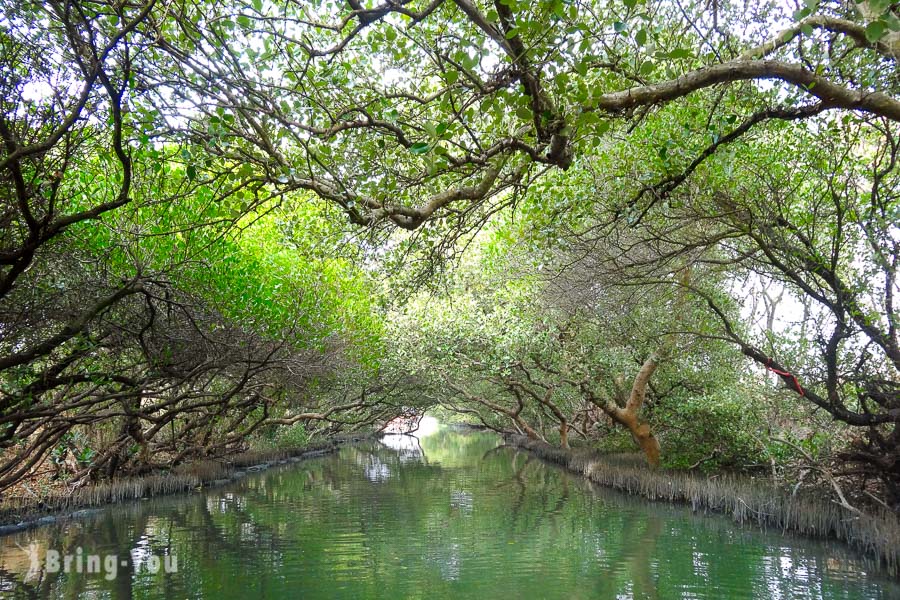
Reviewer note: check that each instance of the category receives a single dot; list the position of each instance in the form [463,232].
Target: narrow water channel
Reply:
[452,515]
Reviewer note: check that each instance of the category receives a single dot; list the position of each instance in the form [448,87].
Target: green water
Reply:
[450,516]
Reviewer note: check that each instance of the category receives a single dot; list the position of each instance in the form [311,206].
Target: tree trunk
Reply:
[642,435]
[648,443]
[641,431]
[529,431]
[628,416]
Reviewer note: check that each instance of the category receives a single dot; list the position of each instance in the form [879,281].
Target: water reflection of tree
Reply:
[427,527]
[102,535]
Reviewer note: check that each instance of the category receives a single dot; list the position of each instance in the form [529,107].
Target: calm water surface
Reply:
[449,516]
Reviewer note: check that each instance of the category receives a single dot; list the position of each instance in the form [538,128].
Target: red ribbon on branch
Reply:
[786,374]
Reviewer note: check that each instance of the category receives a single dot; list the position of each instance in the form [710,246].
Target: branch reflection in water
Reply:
[445,514]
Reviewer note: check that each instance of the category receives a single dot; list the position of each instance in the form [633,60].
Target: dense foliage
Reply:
[250,221]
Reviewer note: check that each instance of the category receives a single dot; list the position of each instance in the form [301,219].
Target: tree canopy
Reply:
[221,221]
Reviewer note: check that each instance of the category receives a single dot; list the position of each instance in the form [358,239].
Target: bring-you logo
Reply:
[81,561]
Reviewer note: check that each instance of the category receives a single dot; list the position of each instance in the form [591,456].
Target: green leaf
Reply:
[244,21]
[246,170]
[892,21]
[876,30]
[582,93]
[641,37]
[620,27]
[420,148]
[681,53]
[559,10]
[451,76]
[191,172]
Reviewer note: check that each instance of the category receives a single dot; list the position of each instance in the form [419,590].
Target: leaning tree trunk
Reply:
[644,437]
[629,415]
[527,429]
